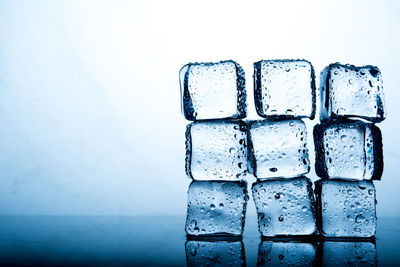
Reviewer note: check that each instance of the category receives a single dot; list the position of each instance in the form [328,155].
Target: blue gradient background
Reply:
[90,103]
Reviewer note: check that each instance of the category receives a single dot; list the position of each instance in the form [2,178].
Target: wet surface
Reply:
[161,241]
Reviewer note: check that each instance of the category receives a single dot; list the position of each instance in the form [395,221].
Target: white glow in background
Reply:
[89,94]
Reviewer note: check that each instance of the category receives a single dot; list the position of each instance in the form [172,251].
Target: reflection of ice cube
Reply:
[349,149]
[285,207]
[346,208]
[216,208]
[350,91]
[216,150]
[349,254]
[284,88]
[271,253]
[213,91]
[214,253]
[278,148]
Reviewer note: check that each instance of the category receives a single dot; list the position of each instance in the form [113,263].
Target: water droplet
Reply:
[349,191]
[304,209]
[273,169]
[280,218]
[370,192]
[221,205]
[284,209]
[281,257]
[232,150]
[212,207]
[346,202]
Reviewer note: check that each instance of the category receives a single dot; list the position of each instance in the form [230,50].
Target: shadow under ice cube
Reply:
[349,254]
[285,207]
[284,88]
[278,149]
[272,253]
[346,208]
[350,91]
[348,150]
[213,91]
[214,253]
[216,208]
[216,150]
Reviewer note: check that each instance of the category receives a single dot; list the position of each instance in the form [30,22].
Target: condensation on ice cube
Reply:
[213,91]
[349,253]
[348,91]
[216,150]
[278,149]
[284,88]
[348,150]
[215,253]
[216,208]
[273,253]
[346,208]
[285,207]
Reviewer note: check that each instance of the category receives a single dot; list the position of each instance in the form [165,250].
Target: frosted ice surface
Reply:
[216,150]
[350,149]
[285,207]
[346,208]
[278,148]
[213,91]
[216,208]
[349,254]
[350,91]
[284,88]
[215,253]
[286,254]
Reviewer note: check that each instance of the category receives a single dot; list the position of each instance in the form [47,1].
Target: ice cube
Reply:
[213,91]
[216,208]
[348,150]
[215,253]
[349,254]
[284,88]
[346,208]
[272,253]
[278,148]
[350,91]
[285,207]
[216,150]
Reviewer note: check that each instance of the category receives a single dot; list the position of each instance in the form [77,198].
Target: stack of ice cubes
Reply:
[222,150]
[348,148]
[214,98]
[284,94]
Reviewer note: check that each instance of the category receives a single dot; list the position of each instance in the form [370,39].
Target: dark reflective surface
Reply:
[161,241]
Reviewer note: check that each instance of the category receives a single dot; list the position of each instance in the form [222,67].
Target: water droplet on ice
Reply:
[273,169]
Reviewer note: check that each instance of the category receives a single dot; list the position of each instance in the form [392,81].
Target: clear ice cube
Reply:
[278,149]
[216,150]
[216,208]
[348,150]
[349,254]
[272,253]
[284,88]
[346,208]
[215,253]
[285,207]
[213,91]
[350,91]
